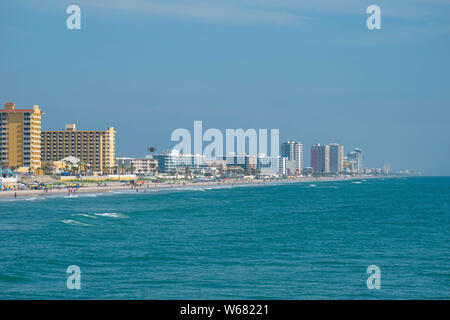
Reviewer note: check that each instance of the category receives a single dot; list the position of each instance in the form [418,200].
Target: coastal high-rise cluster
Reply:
[327,158]
[24,147]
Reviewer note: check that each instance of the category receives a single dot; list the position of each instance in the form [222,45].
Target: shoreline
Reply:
[10,194]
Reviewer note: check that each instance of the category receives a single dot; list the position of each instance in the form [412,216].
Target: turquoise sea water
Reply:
[291,241]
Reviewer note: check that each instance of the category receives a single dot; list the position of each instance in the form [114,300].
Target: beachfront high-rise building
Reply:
[20,137]
[320,158]
[354,159]
[96,148]
[323,159]
[314,157]
[336,158]
[293,151]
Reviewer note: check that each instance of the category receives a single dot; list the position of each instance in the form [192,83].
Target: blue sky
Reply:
[310,68]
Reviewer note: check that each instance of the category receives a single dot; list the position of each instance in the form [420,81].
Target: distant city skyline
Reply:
[313,70]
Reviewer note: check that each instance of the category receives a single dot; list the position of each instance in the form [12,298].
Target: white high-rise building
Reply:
[355,158]
[293,151]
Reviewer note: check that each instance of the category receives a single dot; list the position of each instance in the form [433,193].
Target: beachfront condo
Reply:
[320,158]
[293,151]
[336,158]
[20,137]
[354,161]
[95,148]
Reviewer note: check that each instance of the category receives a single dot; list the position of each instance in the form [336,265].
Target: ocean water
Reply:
[290,241]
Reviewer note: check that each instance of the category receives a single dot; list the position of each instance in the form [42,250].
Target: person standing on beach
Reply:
[15,194]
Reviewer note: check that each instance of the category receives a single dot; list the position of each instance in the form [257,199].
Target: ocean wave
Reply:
[84,215]
[123,192]
[74,222]
[34,198]
[111,215]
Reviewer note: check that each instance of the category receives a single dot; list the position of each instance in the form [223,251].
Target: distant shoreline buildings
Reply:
[293,152]
[26,148]
[327,158]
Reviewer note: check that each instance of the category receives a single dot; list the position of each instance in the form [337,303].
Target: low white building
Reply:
[174,160]
[136,165]
[271,166]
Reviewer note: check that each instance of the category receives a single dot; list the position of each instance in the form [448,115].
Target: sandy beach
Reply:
[119,186]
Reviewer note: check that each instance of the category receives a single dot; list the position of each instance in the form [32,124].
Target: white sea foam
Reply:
[34,198]
[313,185]
[84,215]
[74,222]
[357,182]
[111,215]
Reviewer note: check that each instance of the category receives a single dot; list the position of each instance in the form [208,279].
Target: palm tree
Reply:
[46,167]
[82,166]
[187,173]
[67,166]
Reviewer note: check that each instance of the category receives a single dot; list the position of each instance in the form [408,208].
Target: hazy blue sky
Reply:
[310,68]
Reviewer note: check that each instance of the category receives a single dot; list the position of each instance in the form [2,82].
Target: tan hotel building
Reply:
[20,137]
[94,147]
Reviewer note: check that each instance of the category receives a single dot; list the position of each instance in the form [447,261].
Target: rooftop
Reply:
[11,107]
